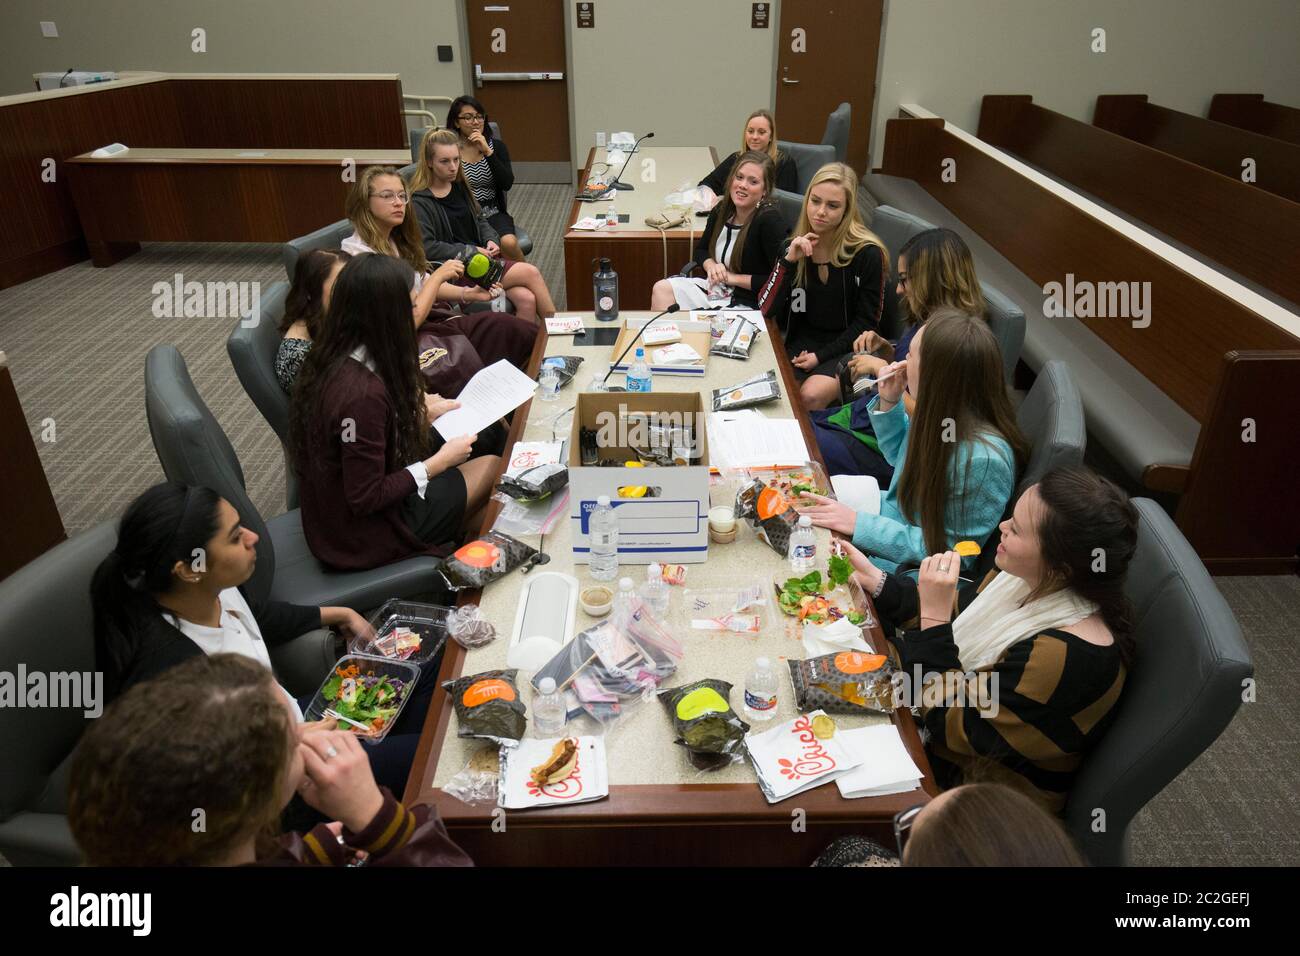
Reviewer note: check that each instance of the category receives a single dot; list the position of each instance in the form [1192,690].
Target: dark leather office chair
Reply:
[837,131]
[193,448]
[252,349]
[808,158]
[791,205]
[1184,688]
[326,237]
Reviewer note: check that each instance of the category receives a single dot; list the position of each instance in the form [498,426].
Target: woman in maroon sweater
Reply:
[373,489]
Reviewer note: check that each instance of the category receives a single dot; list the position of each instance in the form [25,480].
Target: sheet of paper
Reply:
[859,492]
[530,454]
[885,762]
[493,391]
[755,441]
[565,324]
[588,224]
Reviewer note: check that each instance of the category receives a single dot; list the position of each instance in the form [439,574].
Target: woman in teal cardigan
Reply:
[955,460]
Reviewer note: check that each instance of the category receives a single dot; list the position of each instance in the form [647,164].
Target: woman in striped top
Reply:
[1034,661]
[486,163]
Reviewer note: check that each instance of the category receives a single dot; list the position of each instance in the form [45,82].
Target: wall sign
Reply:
[760,15]
[586,15]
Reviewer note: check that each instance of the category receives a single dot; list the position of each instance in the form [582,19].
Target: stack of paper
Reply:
[791,758]
[747,439]
[883,763]
[589,780]
[493,392]
[530,454]
[589,223]
[565,325]
[677,354]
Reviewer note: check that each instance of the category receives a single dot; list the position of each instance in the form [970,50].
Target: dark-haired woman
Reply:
[1047,635]
[373,490]
[738,247]
[216,733]
[486,163]
[304,308]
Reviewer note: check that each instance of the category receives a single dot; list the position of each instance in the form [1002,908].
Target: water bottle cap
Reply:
[653,571]
[640,352]
[763,664]
[602,501]
[805,521]
[625,584]
[547,686]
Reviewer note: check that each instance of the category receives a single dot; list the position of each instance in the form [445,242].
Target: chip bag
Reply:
[488,705]
[849,682]
[536,483]
[712,733]
[768,513]
[481,562]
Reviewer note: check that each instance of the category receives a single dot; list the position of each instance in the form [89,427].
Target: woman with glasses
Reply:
[978,824]
[738,247]
[1032,659]
[935,270]
[758,136]
[829,287]
[486,163]
[955,458]
[379,208]
[452,225]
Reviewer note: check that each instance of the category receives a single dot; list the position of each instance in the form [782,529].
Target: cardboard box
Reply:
[695,333]
[670,527]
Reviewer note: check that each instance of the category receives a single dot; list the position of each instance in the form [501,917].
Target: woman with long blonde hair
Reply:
[829,287]
[758,136]
[451,224]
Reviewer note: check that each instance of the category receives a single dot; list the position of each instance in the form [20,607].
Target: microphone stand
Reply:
[636,338]
[618,180]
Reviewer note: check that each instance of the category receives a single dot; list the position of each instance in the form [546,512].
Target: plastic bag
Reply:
[468,628]
[849,682]
[536,483]
[609,668]
[479,780]
[479,563]
[768,514]
[529,517]
[712,733]
[488,706]
[566,364]
[753,391]
[692,197]
[737,339]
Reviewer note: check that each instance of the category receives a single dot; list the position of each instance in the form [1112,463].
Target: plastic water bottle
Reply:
[623,602]
[760,692]
[655,591]
[639,378]
[803,547]
[549,710]
[604,283]
[611,215]
[603,532]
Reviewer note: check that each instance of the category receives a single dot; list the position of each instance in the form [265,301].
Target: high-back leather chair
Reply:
[837,131]
[808,158]
[790,205]
[326,237]
[193,448]
[252,348]
[1184,688]
[895,227]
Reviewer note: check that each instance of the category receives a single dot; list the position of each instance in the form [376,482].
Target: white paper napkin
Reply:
[840,635]
[883,763]
[589,780]
[790,758]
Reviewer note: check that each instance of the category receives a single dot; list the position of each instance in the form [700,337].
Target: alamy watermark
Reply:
[1098,300]
[179,299]
[75,690]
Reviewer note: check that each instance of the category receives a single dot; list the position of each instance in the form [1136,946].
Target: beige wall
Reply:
[243,36]
[946,54]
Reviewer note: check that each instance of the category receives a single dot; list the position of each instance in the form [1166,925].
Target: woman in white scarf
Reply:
[1049,630]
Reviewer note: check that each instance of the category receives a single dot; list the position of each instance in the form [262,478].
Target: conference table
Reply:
[168,194]
[660,811]
[641,255]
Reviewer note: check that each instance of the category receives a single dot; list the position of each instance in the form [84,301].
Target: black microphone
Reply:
[618,183]
[641,331]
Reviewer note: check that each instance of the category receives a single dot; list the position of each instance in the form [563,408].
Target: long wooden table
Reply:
[659,811]
[212,195]
[636,250]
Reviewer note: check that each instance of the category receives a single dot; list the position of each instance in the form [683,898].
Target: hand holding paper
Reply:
[493,392]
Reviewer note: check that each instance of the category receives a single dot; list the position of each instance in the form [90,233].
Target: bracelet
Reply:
[880,586]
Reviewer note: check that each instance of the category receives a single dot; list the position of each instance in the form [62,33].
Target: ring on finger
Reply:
[330,752]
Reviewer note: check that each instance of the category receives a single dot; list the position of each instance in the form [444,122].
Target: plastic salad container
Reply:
[370,690]
[427,622]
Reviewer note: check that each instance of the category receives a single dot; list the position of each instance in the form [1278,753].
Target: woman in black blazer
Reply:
[486,163]
[759,136]
[740,243]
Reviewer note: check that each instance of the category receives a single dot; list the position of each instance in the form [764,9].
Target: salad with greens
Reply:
[370,699]
[807,598]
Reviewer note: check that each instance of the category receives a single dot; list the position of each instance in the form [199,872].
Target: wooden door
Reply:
[522,44]
[828,53]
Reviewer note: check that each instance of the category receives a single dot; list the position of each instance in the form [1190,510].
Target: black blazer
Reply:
[787,176]
[762,246]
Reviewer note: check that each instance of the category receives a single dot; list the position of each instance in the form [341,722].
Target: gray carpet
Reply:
[77,339]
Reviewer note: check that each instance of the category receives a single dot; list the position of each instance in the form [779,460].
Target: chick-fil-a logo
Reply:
[814,761]
[566,789]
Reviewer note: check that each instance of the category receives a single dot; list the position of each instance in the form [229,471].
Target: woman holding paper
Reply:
[373,490]
[955,459]
[828,289]
[1047,633]
[378,207]
[740,242]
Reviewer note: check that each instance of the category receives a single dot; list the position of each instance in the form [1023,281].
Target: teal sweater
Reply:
[983,478]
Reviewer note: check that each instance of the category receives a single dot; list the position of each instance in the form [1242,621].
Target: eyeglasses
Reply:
[389,196]
[471,117]
[903,821]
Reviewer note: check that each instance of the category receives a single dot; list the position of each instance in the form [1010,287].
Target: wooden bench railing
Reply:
[1251,111]
[1199,348]
[1238,225]
[1272,164]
